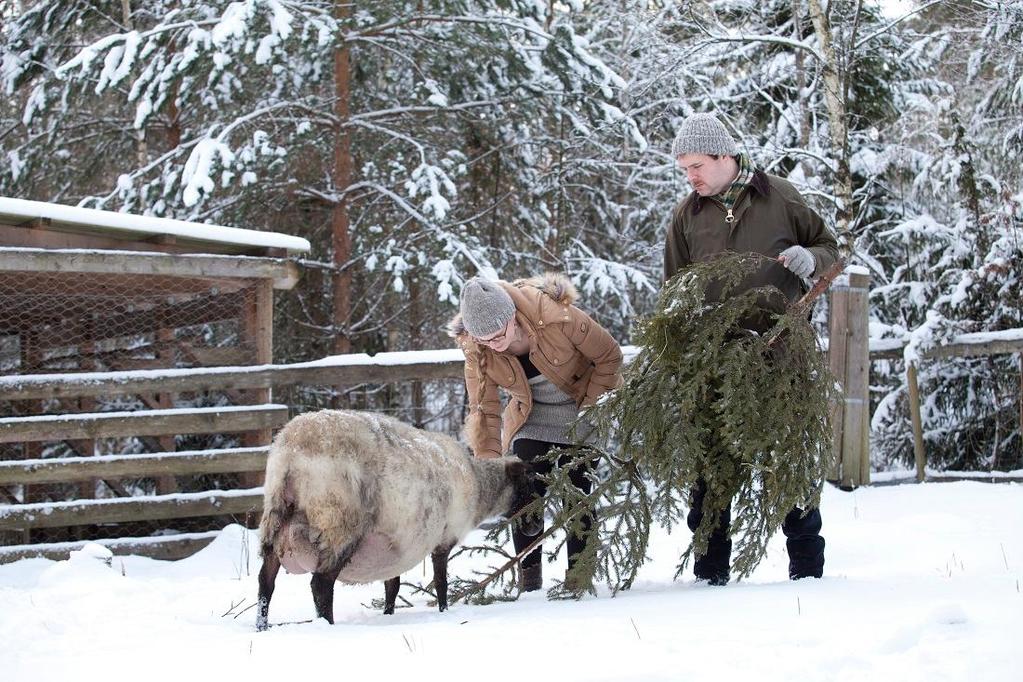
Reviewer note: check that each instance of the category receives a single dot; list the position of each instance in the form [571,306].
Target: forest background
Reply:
[416,144]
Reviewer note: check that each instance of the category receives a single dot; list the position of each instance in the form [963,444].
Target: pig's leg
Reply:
[267,578]
[391,586]
[440,575]
[322,584]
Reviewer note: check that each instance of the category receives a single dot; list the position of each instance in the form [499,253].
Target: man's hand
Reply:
[799,260]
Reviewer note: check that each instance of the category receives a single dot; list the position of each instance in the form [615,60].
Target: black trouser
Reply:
[802,539]
[532,451]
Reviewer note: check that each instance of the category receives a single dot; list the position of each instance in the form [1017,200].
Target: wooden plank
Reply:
[948,477]
[227,460]
[101,285]
[916,420]
[968,350]
[849,467]
[26,387]
[855,451]
[259,323]
[259,328]
[166,483]
[82,237]
[127,348]
[119,323]
[283,273]
[958,349]
[165,547]
[142,423]
[838,335]
[15,235]
[120,510]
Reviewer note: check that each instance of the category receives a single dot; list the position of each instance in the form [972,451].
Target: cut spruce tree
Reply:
[705,399]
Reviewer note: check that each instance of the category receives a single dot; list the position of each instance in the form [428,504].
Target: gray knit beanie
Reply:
[703,134]
[486,307]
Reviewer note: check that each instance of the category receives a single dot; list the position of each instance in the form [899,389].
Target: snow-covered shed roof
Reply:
[127,226]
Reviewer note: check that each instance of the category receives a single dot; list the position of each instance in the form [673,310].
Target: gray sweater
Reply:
[552,415]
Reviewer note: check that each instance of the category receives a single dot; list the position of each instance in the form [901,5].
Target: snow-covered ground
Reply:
[923,582]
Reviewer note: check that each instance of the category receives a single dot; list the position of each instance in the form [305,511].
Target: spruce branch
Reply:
[708,402]
[562,521]
[806,301]
[705,401]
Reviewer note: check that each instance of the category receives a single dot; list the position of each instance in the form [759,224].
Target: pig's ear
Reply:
[516,469]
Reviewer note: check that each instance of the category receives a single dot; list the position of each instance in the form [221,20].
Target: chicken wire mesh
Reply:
[62,323]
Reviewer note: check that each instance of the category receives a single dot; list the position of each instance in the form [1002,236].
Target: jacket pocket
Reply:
[557,349]
[500,370]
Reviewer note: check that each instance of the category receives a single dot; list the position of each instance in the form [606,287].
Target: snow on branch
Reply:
[766,38]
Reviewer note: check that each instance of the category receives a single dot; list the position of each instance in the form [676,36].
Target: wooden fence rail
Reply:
[230,419]
[68,469]
[167,547]
[335,371]
[17,517]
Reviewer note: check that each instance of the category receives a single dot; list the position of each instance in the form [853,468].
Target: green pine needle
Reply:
[705,399]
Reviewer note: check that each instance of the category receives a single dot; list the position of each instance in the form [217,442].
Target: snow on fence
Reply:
[24,518]
[334,371]
[85,293]
[851,352]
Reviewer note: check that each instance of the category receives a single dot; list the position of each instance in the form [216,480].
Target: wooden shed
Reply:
[109,297]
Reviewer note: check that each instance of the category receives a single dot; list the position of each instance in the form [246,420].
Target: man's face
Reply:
[709,175]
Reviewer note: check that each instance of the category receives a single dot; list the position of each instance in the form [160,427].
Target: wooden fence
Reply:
[245,503]
[338,371]
[850,354]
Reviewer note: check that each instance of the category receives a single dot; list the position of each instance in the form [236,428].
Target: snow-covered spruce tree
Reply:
[782,88]
[953,263]
[411,144]
[619,210]
[900,79]
[703,399]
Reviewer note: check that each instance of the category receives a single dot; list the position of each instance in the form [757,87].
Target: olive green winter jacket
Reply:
[768,217]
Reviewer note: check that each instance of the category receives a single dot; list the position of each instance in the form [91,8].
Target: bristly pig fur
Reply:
[360,497]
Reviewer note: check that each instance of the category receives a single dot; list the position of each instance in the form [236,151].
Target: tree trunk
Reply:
[837,122]
[340,237]
[415,329]
[141,148]
[804,118]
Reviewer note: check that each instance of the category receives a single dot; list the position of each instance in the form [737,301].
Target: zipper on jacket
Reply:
[729,218]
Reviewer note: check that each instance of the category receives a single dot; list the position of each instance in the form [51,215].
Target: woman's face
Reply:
[502,338]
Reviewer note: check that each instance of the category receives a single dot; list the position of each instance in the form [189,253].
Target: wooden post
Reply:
[838,337]
[259,325]
[31,358]
[850,363]
[166,357]
[917,422]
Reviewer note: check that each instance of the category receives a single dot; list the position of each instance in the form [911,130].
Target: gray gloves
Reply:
[799,260]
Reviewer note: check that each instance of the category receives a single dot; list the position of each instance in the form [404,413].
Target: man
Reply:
[736,207]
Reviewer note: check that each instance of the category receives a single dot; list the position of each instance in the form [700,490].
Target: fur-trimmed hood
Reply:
[555,285]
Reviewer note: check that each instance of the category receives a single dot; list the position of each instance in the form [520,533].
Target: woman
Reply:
[552,360]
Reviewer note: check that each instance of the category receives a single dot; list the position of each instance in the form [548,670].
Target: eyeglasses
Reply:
[499,336]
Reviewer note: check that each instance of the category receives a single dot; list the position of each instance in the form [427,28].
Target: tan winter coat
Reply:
[575,353]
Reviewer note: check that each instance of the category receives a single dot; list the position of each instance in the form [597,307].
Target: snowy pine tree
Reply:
[414,146]
[953,264]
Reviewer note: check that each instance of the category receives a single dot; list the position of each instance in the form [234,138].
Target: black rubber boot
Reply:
[531,578]
[804,543]
[715,565]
